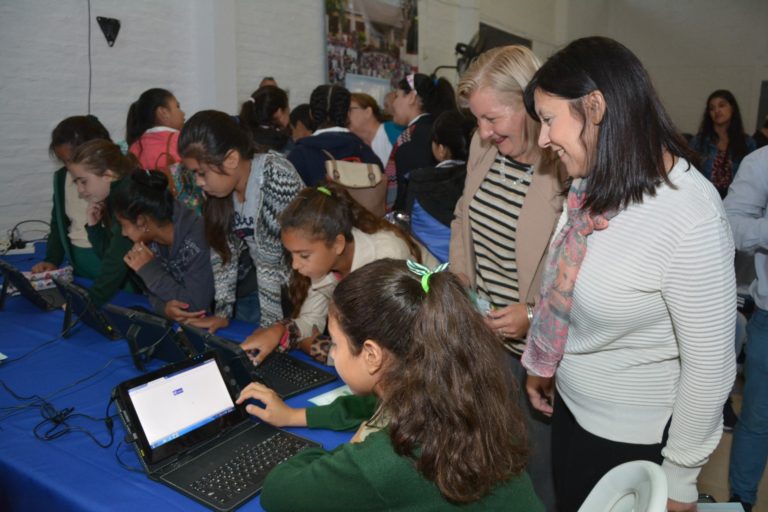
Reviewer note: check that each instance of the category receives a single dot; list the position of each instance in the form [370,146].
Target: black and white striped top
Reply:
[493,215]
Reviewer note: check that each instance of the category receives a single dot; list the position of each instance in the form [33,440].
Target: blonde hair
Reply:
[505,70]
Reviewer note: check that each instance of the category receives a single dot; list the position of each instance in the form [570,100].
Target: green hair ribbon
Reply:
[325,191]
[425,272]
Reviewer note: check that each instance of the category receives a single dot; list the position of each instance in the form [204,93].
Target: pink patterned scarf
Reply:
[549,330]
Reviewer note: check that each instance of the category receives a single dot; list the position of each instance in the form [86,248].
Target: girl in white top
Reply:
[638,303]
[328,235]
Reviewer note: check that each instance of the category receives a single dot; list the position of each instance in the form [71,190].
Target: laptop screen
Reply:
[178,408]
[174,405]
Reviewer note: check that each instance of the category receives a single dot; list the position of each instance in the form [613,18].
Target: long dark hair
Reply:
[208,137]
[329,106]
[737,139]
[76,130]
[436,94]
[141,114]
[324,217]
[449,398]
[635,130]
[257,115]
[145,193]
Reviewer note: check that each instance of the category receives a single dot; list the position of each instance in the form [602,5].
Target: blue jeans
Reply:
[248,308]
[749,451]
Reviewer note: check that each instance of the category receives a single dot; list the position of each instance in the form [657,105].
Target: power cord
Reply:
[15,239]
[123,464]
[56,424]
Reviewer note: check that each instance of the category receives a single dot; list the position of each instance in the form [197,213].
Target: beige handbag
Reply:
[364,182]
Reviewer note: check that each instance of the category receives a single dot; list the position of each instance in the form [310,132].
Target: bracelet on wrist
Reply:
[529,311]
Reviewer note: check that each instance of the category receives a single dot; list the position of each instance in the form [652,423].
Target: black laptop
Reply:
[284,374]
[47,300]
[190,435]
[80,308]
[149,336]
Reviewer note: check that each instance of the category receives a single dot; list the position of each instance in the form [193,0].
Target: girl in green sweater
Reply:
[438,426]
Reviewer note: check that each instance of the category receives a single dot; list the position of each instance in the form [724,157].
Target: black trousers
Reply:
[580,459]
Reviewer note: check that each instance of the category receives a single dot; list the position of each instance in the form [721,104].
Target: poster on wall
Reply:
[371,44]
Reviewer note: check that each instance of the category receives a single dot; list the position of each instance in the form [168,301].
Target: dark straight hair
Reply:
[145,193]
[449,398]
[628,160]
[454,130]
[74,131]
[208,137]
[301,113]
[141,114]
[436,94]
[737,139]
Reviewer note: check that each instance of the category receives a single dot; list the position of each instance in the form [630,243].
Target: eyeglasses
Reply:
[356,108]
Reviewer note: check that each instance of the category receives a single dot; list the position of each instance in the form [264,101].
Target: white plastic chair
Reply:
[637,486]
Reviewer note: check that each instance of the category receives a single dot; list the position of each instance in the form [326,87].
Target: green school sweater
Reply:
[370,475]
[110,246]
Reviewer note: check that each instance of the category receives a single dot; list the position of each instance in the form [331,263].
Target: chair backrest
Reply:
[637,486]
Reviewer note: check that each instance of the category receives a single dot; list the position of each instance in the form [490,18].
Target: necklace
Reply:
[525,175]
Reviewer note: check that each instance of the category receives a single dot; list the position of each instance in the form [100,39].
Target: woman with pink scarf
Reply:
[631,346]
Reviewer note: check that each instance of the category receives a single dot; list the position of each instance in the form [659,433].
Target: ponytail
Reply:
[446,391]
[436,94]
[146,193]
[257,116]
[141,113]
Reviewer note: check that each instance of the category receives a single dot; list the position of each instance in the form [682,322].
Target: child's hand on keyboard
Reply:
[274,410]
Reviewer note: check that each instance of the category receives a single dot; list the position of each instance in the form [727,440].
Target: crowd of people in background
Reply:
[587,314]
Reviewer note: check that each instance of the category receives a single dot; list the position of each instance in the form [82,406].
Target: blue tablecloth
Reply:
[72,472]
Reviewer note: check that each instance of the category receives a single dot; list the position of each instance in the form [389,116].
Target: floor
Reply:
[714,477]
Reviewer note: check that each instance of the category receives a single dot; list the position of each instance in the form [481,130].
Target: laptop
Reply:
[283,373]
[149,336]
[47,300]
[80,308]
[190,435]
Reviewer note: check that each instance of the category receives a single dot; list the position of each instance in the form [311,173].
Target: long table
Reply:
[72,472]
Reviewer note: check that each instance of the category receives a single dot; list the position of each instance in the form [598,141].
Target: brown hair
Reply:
[367,101]
[450,400]
[324,217]
[101,155]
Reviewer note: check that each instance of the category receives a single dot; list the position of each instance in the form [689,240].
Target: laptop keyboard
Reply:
[300,375]
[244,473]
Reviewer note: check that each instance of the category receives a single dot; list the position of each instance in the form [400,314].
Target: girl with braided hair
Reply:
[329,110]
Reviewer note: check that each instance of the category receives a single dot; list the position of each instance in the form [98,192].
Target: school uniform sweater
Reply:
[369,475]
[182,271]
[652,327]
[110,246]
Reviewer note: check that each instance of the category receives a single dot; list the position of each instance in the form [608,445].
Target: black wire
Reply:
[50,342]
[39,401]
[123,464]
[90,66]
[58,426]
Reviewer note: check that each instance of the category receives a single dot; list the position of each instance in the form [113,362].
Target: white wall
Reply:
[690,48]
[213,53]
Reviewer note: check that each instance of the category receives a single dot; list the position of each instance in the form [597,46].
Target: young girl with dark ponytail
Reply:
[438,425]
[169,253]
[329,110]
[266,116]
[152,130]
[98,168]
[419,99]
[328,235]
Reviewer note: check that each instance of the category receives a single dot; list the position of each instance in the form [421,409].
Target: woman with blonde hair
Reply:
[506,216]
